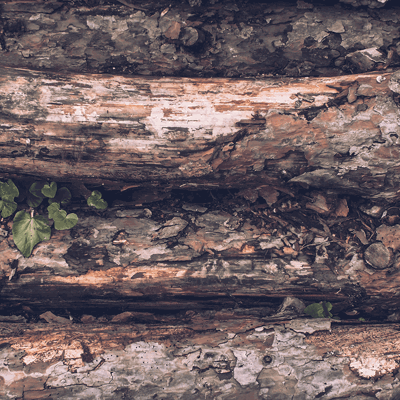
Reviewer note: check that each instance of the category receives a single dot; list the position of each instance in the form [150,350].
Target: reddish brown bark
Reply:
[338,133]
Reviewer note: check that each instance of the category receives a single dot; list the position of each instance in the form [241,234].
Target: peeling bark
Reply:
[180,300]
[224,39]
[210,358]
[340,132]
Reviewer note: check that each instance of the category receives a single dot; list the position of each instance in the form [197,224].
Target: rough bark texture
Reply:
[210,359]
[339,132]
[225,39]
[175,259]
[184,259]
[181,300]
[334,132]
[202,296]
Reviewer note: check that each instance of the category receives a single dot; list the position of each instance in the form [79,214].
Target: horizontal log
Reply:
[208,40]
[181,301]
[210,358]
[140,260]
[338,132]
[195,303]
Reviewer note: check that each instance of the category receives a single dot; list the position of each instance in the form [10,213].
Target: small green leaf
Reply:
[8,190]
[36,188]
[96,200]
[62,197]
[61,219]
[29,231]
[53,209]
[49,190]
[316,310]
[7,208]
[35,195]
[7,193]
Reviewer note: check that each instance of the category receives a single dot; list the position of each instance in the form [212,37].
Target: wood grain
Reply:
[201,133]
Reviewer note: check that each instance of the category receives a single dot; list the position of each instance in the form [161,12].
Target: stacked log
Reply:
[249,155]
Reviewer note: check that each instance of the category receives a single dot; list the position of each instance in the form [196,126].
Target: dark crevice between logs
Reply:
[145,311]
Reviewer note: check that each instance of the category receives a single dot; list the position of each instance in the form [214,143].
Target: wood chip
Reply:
[378,256]
[54,319]
[342,209]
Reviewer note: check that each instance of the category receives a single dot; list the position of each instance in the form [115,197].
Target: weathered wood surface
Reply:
[175,259]
[211,358]
[339,132]
[193,303]
[224,39]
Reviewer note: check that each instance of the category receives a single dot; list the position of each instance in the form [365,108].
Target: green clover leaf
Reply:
[7,208]
[316,310]
[7,193]
[96,200]
[61,219]
[8,190]
[62,197]
[35,195]
[28,231]
[49,190]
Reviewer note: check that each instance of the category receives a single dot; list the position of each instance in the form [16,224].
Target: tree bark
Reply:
[165,38]
[214,358]
[139,259]
[351,147]
[181,300]
[338,132]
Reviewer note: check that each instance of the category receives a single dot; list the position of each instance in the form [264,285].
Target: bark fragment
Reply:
[378,256]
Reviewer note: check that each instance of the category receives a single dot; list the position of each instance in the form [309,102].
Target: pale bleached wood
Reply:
[193,132]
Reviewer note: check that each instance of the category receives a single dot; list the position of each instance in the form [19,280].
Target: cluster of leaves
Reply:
[29,228]
[323,310]
[319,310]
